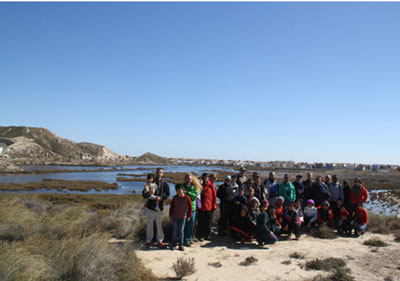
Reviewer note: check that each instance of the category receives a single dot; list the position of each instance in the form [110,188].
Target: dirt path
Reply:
[366,263]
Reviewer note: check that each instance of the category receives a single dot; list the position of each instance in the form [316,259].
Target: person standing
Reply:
[358,193]
[192,189]
[179,211]
[336,191]
[346,194]
[225,194]
[241,177]
[308,183]
[153,215]
[208,206]
[299,187]
[272,186]
[319,192]
[287,190]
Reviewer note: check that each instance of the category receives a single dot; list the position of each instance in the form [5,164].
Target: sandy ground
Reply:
[366,263]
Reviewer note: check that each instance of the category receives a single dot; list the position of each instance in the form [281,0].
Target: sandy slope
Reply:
[365,262]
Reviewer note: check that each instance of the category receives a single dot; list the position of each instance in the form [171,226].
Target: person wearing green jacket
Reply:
[192,189]
[266,227]
[287,190]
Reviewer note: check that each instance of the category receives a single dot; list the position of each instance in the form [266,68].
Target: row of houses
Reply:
[284,164]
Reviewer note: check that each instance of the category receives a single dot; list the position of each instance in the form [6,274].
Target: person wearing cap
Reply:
[310,213]
[360,219]
[225,194]
[287,190]
[241,177]
[299,187]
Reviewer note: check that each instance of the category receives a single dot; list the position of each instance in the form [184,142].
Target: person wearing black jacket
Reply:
[225,194]
[242,226]
[346,194]
[320,193]
[153,214]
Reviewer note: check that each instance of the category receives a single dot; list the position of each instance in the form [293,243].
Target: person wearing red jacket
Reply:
[325,214]
[358,193]
[208,206]
[343,220]
[360,219]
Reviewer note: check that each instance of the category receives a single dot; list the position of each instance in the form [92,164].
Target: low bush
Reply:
[248,261]
[325,264]
[375,242]
[184,267]
[323,232]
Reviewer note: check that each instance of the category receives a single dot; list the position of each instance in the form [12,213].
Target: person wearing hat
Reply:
[225,194]
[310,213]
[360,219]
[299,187]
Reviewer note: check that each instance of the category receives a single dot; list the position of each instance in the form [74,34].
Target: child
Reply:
[360,219]
[279,209]
[254,212]
[297,207]
[180,209]
[343,223]
[235,186]
[310,213]
[250,196]
[325,215]
[291,221]
[264,206]
[151,188]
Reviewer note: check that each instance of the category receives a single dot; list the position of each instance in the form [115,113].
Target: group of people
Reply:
[253,208]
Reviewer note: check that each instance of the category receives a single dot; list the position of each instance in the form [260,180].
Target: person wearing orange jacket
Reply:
[358,193]
[208,206]
[360,219]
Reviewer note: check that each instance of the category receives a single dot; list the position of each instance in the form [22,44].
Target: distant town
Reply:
[285,164]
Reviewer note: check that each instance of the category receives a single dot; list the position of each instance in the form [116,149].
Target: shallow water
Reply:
[124,187]
[376,204]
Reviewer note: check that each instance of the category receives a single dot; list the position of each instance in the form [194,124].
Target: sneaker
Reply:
[181,248]
[187,244]
[172,247]
[162,245]
[147,245]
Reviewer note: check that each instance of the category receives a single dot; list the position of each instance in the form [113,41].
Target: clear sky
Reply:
[257,81]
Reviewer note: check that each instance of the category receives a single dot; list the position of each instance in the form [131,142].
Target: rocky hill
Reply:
[42,144]
[150,158]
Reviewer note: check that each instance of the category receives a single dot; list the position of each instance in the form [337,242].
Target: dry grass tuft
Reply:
[184,267]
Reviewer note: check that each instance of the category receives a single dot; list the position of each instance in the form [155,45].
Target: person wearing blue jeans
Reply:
[192,189]
[180,209]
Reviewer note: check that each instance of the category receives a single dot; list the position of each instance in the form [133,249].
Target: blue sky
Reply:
[258,81]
